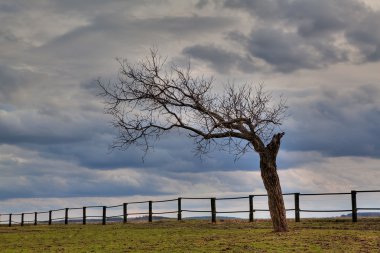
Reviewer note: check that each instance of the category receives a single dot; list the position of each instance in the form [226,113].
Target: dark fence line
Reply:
[124,216]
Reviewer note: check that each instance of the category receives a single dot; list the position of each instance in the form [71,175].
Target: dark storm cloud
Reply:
[201,4]
[48,125]
[41,176]
[112,34]
[310,18]
[164,157]
[219,59]
[9,7]
[91,7]
[82,135]
[10,81]
[7,37]
[293,35]
[365,35]
[56,178]
[121,27]
[288,52]
[337,122]
[283,50]
[184,26]
[82,185]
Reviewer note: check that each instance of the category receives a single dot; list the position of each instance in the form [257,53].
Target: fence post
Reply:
[150,212]
[125,212]
[250,208]
[297,206]
[213,210]
[50,217]
[104,215]
[179,209]
[10,220]
[35,218]
[66,216]
[22,219]
[84,216]
[354,208]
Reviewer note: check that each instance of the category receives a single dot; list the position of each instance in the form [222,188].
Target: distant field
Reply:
[322,235]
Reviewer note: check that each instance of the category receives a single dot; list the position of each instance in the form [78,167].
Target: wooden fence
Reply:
[213,210]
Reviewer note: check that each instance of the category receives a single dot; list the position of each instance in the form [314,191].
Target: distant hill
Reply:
[364,214]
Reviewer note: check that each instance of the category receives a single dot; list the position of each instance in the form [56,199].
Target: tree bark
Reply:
[272,184]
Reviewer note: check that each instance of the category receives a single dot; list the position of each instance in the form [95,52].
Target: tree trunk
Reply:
[271,181]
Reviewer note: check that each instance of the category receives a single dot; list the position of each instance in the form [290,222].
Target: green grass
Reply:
[195,236]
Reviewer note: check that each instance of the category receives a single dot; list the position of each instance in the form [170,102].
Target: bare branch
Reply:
[149,99]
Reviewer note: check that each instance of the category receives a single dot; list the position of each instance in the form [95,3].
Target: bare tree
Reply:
[148,100]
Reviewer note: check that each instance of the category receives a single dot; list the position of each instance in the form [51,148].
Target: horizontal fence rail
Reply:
[34,218]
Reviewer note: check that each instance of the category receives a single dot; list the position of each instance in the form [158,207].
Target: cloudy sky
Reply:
[323,56]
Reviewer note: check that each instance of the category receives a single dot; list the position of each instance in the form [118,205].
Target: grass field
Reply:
[327,235]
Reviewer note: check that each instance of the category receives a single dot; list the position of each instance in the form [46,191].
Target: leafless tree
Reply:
[149,100]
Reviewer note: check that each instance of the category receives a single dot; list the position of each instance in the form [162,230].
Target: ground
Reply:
[327,235]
